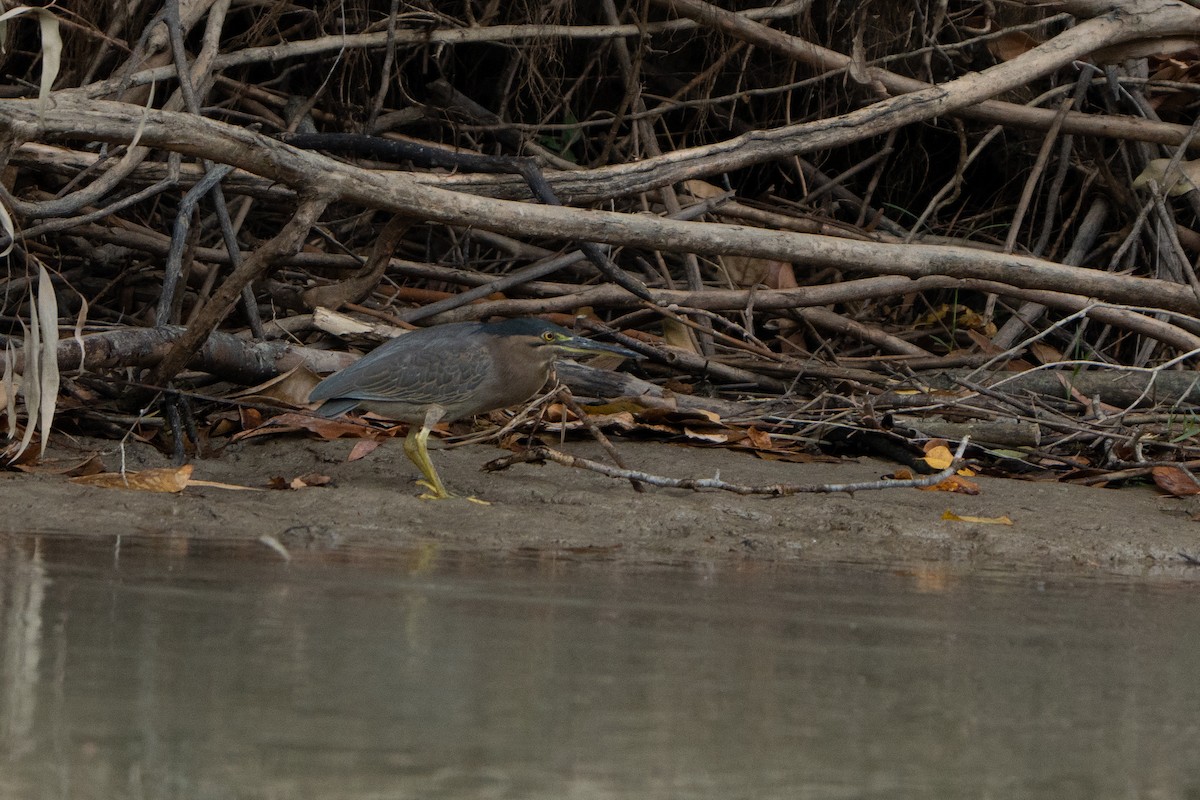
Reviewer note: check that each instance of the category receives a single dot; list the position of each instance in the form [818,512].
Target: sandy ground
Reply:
[372,504]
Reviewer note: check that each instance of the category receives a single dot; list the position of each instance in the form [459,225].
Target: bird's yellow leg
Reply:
[417,450]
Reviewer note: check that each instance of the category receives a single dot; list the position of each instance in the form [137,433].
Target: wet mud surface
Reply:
[371,505]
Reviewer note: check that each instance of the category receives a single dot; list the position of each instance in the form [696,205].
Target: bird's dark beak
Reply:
[583,346]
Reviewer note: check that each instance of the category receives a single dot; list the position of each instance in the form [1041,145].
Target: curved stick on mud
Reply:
[539,455]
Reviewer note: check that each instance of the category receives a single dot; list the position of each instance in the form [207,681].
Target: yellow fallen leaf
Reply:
[952,517]
[161,479]
[939,457]
[955,483]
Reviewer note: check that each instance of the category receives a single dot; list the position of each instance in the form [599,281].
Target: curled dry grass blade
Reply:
[40,382]
[47,303]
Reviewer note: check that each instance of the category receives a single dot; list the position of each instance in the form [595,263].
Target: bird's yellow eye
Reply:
[548,336]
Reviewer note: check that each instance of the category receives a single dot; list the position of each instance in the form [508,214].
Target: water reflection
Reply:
[168,669]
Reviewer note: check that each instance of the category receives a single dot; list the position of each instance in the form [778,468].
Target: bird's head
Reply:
[548,340]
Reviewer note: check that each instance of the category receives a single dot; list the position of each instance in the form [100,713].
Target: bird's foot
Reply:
[438,492]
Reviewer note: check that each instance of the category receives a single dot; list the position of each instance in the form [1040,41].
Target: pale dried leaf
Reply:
[1183,179]
[161,479]
[51,52]
[676,334]
[7,224]
[712,437]
[292,387]
[950,516]
[80,321]
[857,68]
[31,385]
[51,44]
[10,390]
[49,378]
[339,324]
[702,189]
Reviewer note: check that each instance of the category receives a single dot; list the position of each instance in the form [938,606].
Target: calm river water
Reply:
[167,669]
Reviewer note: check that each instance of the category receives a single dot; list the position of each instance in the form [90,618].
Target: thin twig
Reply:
[537,455]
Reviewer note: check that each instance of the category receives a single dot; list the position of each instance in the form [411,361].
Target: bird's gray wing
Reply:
[421,370]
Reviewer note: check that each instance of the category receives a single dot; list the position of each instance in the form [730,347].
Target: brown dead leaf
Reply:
[328,429]
[760,439]
[91,465]
[291,388]
[161,479]
[984,343]
[1175,481]
[299,482]
[362,449]
[703,189]
[558,412]
[310,479]
[1044,353]
[1008,46]
[250,418]
[747,271]
[956,484]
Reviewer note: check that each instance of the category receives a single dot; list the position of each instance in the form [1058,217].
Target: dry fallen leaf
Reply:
[1044,353]
[1184,178]
[956,484]
[703,189]
[328,429]
[939,457]
[952,517]
[760,439]
[362,448]
[747,271]
[292,388]
[1012,44]
[678,335]
[1175,481]
[161,479]
[712,437]
[299,482]
[89,466]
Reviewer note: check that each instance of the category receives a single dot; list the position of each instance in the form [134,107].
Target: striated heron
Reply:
[448,372]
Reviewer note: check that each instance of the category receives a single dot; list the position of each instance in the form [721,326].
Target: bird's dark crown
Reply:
[525,326]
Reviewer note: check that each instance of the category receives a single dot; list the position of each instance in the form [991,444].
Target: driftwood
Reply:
[815,217]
